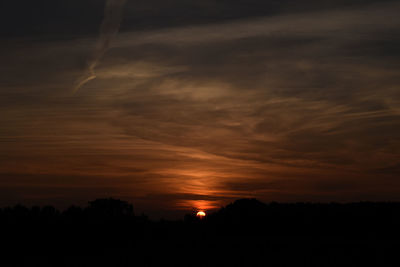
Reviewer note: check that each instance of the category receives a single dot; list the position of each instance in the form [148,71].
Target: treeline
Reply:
[242,217]
[97,211]
[245,215]
[246,232]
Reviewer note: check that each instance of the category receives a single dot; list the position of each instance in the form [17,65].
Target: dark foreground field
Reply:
[244,233]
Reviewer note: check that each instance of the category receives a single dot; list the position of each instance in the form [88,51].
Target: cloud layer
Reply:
[298,106]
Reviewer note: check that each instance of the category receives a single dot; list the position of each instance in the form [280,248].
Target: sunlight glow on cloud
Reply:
[300,107]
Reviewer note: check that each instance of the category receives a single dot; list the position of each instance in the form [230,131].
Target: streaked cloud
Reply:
[295,106]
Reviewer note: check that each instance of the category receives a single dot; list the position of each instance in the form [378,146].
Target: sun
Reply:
[201,214]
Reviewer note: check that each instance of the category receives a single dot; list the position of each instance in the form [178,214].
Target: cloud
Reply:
[71,18]
[287,107]
[108,30]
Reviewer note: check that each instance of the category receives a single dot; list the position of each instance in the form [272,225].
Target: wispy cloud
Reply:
[291,107]
[108,30]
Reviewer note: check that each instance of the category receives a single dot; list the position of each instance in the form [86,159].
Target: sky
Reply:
[183,105]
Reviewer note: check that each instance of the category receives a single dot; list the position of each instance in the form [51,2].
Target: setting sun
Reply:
[201,214]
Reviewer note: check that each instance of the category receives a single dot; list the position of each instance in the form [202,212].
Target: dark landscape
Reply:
[246,232]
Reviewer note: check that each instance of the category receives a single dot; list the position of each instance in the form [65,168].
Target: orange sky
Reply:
[293,107]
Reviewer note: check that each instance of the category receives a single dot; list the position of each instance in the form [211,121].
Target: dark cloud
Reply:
[393,169]
[383,45]
[69,18]
[113,13]
[291,107]
[72,17]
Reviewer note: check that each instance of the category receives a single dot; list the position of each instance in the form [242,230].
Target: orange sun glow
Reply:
[201,214]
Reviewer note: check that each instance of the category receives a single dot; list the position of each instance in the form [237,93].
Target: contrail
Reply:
[108,30]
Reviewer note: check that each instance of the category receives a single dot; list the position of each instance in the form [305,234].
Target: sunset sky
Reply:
[197,103]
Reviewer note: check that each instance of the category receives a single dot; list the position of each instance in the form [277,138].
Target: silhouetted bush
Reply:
[246,232]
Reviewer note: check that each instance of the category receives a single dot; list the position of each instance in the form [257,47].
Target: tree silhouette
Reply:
[109,208]
[246,232]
